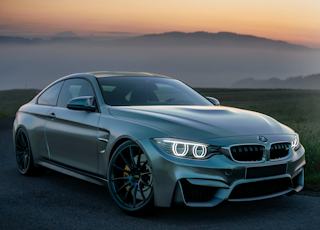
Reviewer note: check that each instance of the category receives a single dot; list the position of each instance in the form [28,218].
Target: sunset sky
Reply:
[295,21]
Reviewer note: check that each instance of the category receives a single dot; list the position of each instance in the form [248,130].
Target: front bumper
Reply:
[206,183]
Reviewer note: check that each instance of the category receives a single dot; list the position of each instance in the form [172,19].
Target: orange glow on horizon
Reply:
[294,21]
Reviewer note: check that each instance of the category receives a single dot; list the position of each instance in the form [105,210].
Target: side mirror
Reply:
[82,103]
[214,101]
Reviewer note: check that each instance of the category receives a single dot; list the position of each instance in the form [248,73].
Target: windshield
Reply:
[127,91]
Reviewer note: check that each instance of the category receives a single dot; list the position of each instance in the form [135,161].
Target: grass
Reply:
[298,109]
[11,100]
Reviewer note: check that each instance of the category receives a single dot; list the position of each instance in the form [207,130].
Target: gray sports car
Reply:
[154,141]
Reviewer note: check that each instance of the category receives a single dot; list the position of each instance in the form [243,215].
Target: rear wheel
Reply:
[24,155]
[130,179]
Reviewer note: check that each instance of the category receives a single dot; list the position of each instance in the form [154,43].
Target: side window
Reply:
[74,88]
[50,96]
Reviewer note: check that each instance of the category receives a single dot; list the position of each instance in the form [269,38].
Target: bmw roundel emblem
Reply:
[262,138]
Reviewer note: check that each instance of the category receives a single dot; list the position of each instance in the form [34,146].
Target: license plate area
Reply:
[257,172]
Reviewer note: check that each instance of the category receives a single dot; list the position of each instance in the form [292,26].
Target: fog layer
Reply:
[35,66]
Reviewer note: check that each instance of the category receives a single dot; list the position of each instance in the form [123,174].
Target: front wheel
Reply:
[130,179]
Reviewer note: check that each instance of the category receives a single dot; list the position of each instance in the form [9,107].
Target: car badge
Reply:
[262,138]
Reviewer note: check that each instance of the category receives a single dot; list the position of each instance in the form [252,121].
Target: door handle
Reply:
[51,115]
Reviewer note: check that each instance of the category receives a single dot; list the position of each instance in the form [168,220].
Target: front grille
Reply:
[247,152]
[279,150]
[260,188]
[196,193]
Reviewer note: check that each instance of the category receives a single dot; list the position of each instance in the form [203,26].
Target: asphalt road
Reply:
[57,201]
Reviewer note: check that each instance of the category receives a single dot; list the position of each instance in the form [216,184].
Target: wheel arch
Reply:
[117,144]
[120,141]
[15,132]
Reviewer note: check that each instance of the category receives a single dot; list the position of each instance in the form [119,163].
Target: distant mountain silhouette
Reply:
[300,82]
[27,41]
[61,37]
[221,39]
[69,37]
[66,34]
[18,40]
[196,39]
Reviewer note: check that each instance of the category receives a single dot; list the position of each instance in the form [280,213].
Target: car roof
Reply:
[100,74]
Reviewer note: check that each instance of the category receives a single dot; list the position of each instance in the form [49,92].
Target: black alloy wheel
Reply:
[130,179]
[24,155]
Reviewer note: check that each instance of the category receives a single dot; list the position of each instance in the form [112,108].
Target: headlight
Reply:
[187,149]
[295,144]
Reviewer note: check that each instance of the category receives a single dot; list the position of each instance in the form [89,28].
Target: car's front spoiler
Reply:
[224,190]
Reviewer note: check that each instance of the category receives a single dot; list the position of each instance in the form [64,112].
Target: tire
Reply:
[24,155]
[130,180]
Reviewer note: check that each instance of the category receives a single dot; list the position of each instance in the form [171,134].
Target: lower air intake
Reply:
[260,188]
[196,193]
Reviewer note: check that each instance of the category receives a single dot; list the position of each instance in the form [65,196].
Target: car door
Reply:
[72,134]
[37,117]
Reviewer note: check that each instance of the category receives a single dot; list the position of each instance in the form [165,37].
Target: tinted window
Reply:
[50,96]
[148,91]
[74,88]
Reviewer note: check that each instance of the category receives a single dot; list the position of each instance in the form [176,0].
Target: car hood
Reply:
[202,122]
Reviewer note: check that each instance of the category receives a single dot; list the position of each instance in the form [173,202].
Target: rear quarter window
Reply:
[50,96]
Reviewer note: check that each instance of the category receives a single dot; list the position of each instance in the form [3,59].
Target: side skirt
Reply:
[73,172]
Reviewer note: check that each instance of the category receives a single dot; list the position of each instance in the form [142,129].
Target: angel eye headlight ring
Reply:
[195,151]
[175,149]
[186,149]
